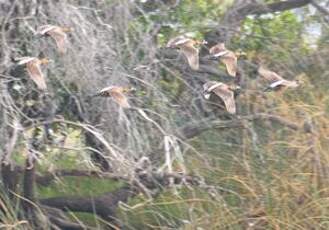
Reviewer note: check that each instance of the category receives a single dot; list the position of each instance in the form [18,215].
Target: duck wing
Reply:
[231,62]
[120,98]
[269,75]
[60,38]
[34,71]
[192,55]
[227,96]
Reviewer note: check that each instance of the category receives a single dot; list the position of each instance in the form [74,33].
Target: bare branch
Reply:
[278,6]
[240,10]
[274,118]
[47,178]
[104,205]
[13,141]
[321,9]
[196,128]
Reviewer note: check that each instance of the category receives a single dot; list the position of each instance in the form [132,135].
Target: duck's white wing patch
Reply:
[219,54]
[176,41]
[45,29]
[24,60]
[106,89]
[214,86]
[182,41]
[277,83]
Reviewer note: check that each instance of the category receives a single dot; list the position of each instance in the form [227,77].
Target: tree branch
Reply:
[274,118]
[28,186]
[320,8]
[239,11]
[47,178]
[10,178]
[278,6]
[104,205]
[196,128]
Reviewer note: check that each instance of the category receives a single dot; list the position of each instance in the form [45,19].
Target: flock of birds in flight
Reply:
[188,47]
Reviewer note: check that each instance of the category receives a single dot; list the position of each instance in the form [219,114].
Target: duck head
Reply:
[44,60]
[67,29]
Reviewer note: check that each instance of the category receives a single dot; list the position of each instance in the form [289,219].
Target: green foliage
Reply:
[172,86]
[189,17]
[81,186]
[263,33]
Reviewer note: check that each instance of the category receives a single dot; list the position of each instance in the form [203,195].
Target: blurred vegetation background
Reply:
[173,161]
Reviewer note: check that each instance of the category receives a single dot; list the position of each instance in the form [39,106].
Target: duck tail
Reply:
[267,89]
[95,95]
[212,57]
[14,59]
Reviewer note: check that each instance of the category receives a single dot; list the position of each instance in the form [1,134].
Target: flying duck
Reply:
[226,56]
[33,67]
[222,90]
[187,46]
[58,33]
[117,93]
[276,81]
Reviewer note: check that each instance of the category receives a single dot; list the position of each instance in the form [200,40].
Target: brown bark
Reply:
[97,158]
[322,10]
[29,201]
[28,182]
[240,10]
[47,178]
[256,8]
[10,179]
[104,205]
